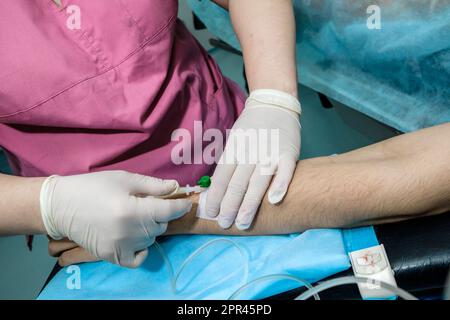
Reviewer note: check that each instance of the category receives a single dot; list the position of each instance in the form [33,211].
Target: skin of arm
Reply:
[266,31]
[401,178]
[19,205]
[398,179]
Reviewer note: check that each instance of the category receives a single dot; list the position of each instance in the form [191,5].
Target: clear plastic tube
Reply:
[166,262]
[311,292]
[273,277]
[175,276]
[354,280]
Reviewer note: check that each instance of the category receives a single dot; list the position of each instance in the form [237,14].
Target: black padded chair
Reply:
[419,253]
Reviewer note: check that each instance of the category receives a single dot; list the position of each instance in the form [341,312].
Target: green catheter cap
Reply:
[204,182]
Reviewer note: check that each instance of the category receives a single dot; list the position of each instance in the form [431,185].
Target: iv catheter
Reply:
[202,184]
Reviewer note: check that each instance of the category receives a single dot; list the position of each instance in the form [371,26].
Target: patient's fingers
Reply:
[259,182]
[57,247]
[68,252]
[75,256]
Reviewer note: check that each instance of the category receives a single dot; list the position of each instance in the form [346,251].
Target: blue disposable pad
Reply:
[215,273]
[398,74]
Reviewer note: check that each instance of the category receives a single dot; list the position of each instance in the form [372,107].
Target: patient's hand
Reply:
[68,252]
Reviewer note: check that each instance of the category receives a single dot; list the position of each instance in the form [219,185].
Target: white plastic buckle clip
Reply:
[373,263]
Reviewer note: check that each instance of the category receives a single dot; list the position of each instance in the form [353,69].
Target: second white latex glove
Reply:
[114,215]
[238,187]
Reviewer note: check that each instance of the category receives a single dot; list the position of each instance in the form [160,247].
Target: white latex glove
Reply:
[238,188]
[112,214]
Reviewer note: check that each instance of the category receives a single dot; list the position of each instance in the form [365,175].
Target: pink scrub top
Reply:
[109,94]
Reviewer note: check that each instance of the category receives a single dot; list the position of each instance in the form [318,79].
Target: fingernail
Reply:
[277,194]
[225,223]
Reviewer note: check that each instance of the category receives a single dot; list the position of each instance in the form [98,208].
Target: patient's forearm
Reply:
[401,178]
[407,176]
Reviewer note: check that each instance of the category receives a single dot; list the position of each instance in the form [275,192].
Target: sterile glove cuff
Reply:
[275,98]
[45,199]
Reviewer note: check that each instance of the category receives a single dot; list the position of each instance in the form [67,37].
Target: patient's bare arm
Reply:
[405,177]
[401,178]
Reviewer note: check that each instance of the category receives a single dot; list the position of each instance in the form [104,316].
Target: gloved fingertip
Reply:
[242,227]
[211,210]
[211,213]
[172,185]
[184,206]
[225,223]
[276,195]
[244,219]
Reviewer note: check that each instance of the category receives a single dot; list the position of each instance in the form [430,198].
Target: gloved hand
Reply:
[114,215]
[238,187]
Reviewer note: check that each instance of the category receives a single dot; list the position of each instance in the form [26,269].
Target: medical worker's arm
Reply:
[19,205]
[266,31]
[114,215]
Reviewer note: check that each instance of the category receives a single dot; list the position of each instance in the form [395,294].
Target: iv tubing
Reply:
[174,276]
[354,280]
[273,277]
